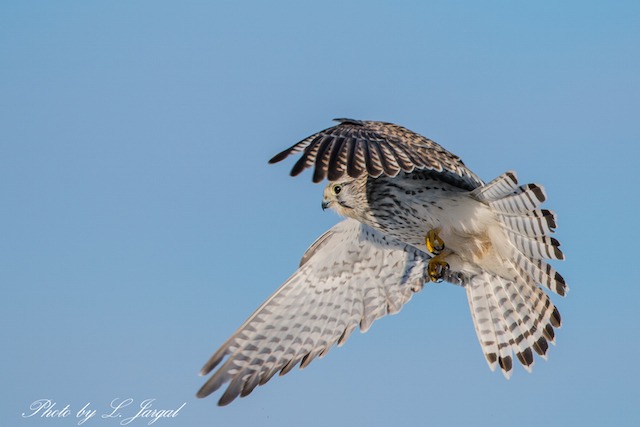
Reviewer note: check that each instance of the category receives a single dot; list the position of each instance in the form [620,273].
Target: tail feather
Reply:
[538,222]
[500,187]
[515,329]
[539,272]
[519,321]
[510,318]
[523,200]
[503,336]
[490,327]
[543,247]
[512,315]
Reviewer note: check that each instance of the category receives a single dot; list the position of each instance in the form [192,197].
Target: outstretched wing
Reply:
[352,275]
[355,147]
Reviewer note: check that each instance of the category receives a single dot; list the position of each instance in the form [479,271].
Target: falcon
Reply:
[414,214]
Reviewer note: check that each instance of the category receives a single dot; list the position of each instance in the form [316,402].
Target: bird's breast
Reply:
[408,213]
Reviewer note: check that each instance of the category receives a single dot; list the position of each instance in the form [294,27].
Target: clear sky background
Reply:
[140,223]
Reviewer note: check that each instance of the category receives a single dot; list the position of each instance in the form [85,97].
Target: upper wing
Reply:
[351,275]
[356,146]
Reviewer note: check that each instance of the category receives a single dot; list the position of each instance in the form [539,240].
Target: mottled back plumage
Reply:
[415,213]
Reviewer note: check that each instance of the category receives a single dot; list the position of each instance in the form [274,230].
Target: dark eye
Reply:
[336,189]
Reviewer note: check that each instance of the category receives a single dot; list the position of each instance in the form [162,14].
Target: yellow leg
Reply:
[433,241]
[436,268]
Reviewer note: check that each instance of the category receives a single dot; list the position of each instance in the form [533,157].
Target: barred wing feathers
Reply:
[352,275]
[356,147]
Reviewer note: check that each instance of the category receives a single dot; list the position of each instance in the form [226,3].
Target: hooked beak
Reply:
[326,204]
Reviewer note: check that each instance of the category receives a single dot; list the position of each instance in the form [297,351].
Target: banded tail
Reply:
[514,315]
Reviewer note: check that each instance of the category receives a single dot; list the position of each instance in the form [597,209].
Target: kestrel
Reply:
[415,213]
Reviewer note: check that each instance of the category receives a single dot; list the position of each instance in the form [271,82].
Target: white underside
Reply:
[474,237]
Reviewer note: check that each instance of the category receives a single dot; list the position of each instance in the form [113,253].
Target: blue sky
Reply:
[141,223]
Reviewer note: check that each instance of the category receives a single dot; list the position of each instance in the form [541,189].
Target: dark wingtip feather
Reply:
[337,163]
[233,390]
[249,385]
[308,358]
[214,383]
[211,363]
[280,156]
[288,367]
[226,399]
[318,175]
[322,158]
[266,377]
[299,166]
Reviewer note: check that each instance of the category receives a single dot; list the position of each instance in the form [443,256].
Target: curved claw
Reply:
[434,243]
[436,269]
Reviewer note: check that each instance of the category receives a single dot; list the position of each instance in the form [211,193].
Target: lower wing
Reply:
[352,275]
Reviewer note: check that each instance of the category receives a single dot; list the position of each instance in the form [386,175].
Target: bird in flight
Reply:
[414,214]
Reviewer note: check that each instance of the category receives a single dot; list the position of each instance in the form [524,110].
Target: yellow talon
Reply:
[436,268]
[433,241]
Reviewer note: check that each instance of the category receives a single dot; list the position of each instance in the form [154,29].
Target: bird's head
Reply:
[347,197]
